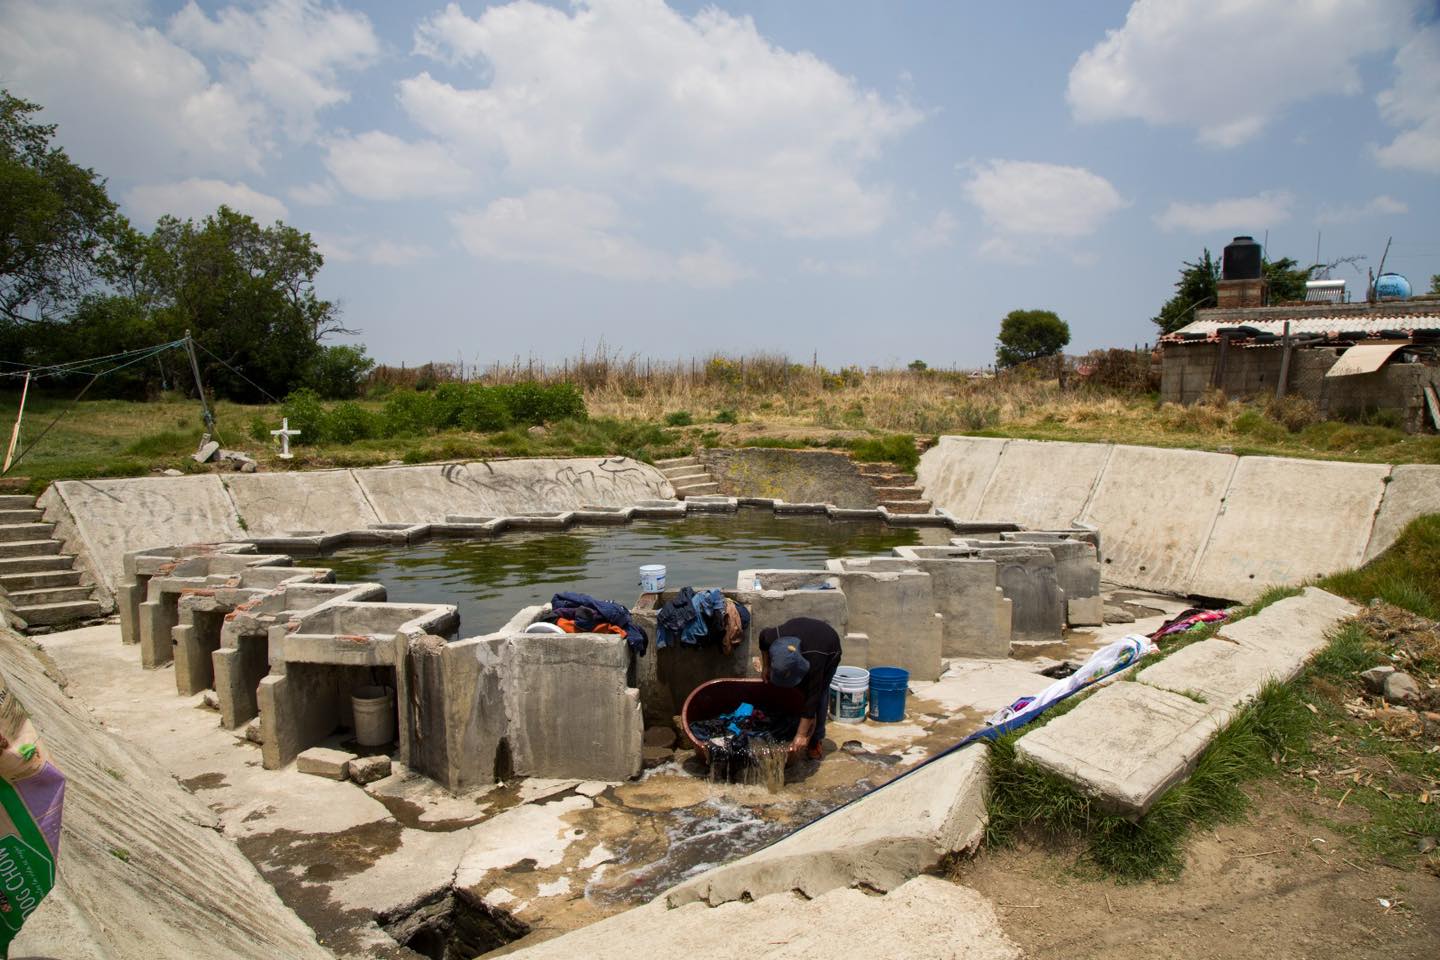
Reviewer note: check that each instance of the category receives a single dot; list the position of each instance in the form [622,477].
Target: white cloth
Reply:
[1103,662]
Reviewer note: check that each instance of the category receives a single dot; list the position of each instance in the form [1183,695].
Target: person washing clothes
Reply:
[803,653]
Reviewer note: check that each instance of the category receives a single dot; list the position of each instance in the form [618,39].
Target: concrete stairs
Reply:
[895,489]
[688,476]
[38,583]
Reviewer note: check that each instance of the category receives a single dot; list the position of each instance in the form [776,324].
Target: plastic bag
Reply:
[32,792]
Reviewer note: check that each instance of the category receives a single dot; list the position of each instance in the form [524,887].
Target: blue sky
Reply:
[872,182]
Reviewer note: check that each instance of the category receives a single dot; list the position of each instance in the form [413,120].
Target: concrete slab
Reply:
[879,841]
[1155,509]
[1413,490]
[1225,674]
[113,517]
[1126,744]
[983,685]
[1286,521]
[325,762]
[1043,484]
[278,504]
[427,494]
[925,919]
[955,472]
[1298,626]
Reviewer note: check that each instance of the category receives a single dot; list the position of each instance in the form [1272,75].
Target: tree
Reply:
[1284,282]
[1435,283]
[56,220]
[1194,290]
[1028,335]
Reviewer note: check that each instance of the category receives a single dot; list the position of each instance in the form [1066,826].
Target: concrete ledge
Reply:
[1297,625]
[1125,745]
[879,841]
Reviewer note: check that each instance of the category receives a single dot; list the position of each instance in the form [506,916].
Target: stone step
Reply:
[39,580]
[899,493]
[12,501]
[697,490]
[890,479]
[906,506]
[683,474]
[46,595]
[677,462]
[28,548]
[26,531]
[35,563]
[55,614]
[21,515]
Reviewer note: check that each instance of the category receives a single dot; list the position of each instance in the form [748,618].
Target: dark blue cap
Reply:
[788,665]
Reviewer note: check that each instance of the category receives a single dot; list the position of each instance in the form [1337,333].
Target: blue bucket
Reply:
[888,686]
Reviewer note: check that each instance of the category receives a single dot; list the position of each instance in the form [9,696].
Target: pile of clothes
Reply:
[701,618]
[731,738]
[582,613]
[1188,620]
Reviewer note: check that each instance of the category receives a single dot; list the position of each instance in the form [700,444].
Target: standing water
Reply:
[489,580]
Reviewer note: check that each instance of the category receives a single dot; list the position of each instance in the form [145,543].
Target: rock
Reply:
[1426,845]
[1114,614]
[365,770]
[655,756]
[1085,612]
[659,737]
[1401,688]
[248,466]
[207,452]
[592,788]
[252,731]
[537,431]
[211,700]
[1374,679]
[324,762]
[172,472]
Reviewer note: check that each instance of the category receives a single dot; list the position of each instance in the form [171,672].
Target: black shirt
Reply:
[820,645]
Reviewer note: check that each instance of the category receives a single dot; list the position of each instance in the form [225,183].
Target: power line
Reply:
[237,373]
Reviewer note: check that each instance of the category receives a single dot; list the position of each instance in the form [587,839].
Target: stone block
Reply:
[1225,674]
[365,770]
[324,762]
[897,612]
[1026,575]
[1085,611]
[1126,744]
[1298,626]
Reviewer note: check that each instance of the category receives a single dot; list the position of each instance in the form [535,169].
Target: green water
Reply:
[489,580]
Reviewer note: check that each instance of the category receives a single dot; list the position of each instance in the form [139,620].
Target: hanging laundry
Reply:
[737,621]
[588,615]
[693,617]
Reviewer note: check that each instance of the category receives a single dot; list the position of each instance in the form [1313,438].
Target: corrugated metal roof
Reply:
[1327,326]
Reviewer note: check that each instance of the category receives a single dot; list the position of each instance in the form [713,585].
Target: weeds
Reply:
[1407,574]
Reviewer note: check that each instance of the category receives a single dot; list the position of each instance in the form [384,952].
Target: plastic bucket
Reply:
[888,686]
[652,578]
[850,695]
[374,709]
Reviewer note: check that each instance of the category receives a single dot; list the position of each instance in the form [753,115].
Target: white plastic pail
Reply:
[374,709]
[850,695]
[652,578]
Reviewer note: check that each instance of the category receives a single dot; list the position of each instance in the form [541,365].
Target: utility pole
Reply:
[200,387]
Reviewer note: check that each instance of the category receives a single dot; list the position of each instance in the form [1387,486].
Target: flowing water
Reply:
[489,580]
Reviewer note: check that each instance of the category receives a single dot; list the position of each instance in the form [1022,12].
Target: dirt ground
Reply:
[1279,884]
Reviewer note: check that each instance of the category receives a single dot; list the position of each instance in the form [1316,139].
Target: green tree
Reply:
[1028,335]
[1435,283]
[338,372]
[1194,290]
[56,219]
[1284,281]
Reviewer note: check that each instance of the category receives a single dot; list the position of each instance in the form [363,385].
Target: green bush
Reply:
[449,399]
[306,413]
[727,416]
[411,414]
[534,403]
[483,410]
[338,372]
[679,418]
[259,429]
[347,422]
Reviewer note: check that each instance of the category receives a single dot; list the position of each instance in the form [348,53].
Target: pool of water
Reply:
[489,580]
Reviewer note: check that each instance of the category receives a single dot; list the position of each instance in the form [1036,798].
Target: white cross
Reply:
[285,433]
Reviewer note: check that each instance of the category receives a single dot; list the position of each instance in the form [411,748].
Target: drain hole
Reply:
[452,925]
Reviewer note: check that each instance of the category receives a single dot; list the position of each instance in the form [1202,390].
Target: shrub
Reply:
[483,410]
[1293,412]
[533,403]
[409,413]
[259,429]
[679,418]
[449,400]
[727,416]
[338,372]
[347,422]
[306,413]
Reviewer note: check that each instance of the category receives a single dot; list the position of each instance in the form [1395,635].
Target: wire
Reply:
[237,373]
[86,365]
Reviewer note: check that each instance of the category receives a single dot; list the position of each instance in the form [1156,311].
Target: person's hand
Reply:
[757,666]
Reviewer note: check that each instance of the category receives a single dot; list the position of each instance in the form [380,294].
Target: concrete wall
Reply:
[1183,521]
[102,520]
[796,476]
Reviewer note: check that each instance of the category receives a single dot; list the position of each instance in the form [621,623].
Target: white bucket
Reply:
[374,709]
[652,578]
[850,695]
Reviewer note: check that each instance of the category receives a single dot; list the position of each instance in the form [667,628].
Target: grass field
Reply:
[639,412]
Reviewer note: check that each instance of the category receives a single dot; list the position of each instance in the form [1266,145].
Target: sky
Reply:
[859,182]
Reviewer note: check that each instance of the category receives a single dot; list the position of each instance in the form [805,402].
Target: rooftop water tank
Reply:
[1392,286]
[1241,260]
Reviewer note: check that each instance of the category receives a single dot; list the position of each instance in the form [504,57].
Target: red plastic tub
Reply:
[717,697]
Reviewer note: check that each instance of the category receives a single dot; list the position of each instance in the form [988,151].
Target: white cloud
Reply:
[320,193]
[1039,201]
[1240,213]
[855,269]
[939,232]
[615,93]
[1413,104]
[289,52]
[1382,206]
[352,248]
[124,94]
[583,231]
[195,198]
[1229,68]
[379,166]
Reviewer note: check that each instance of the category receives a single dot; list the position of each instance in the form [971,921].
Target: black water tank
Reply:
[1241,260]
